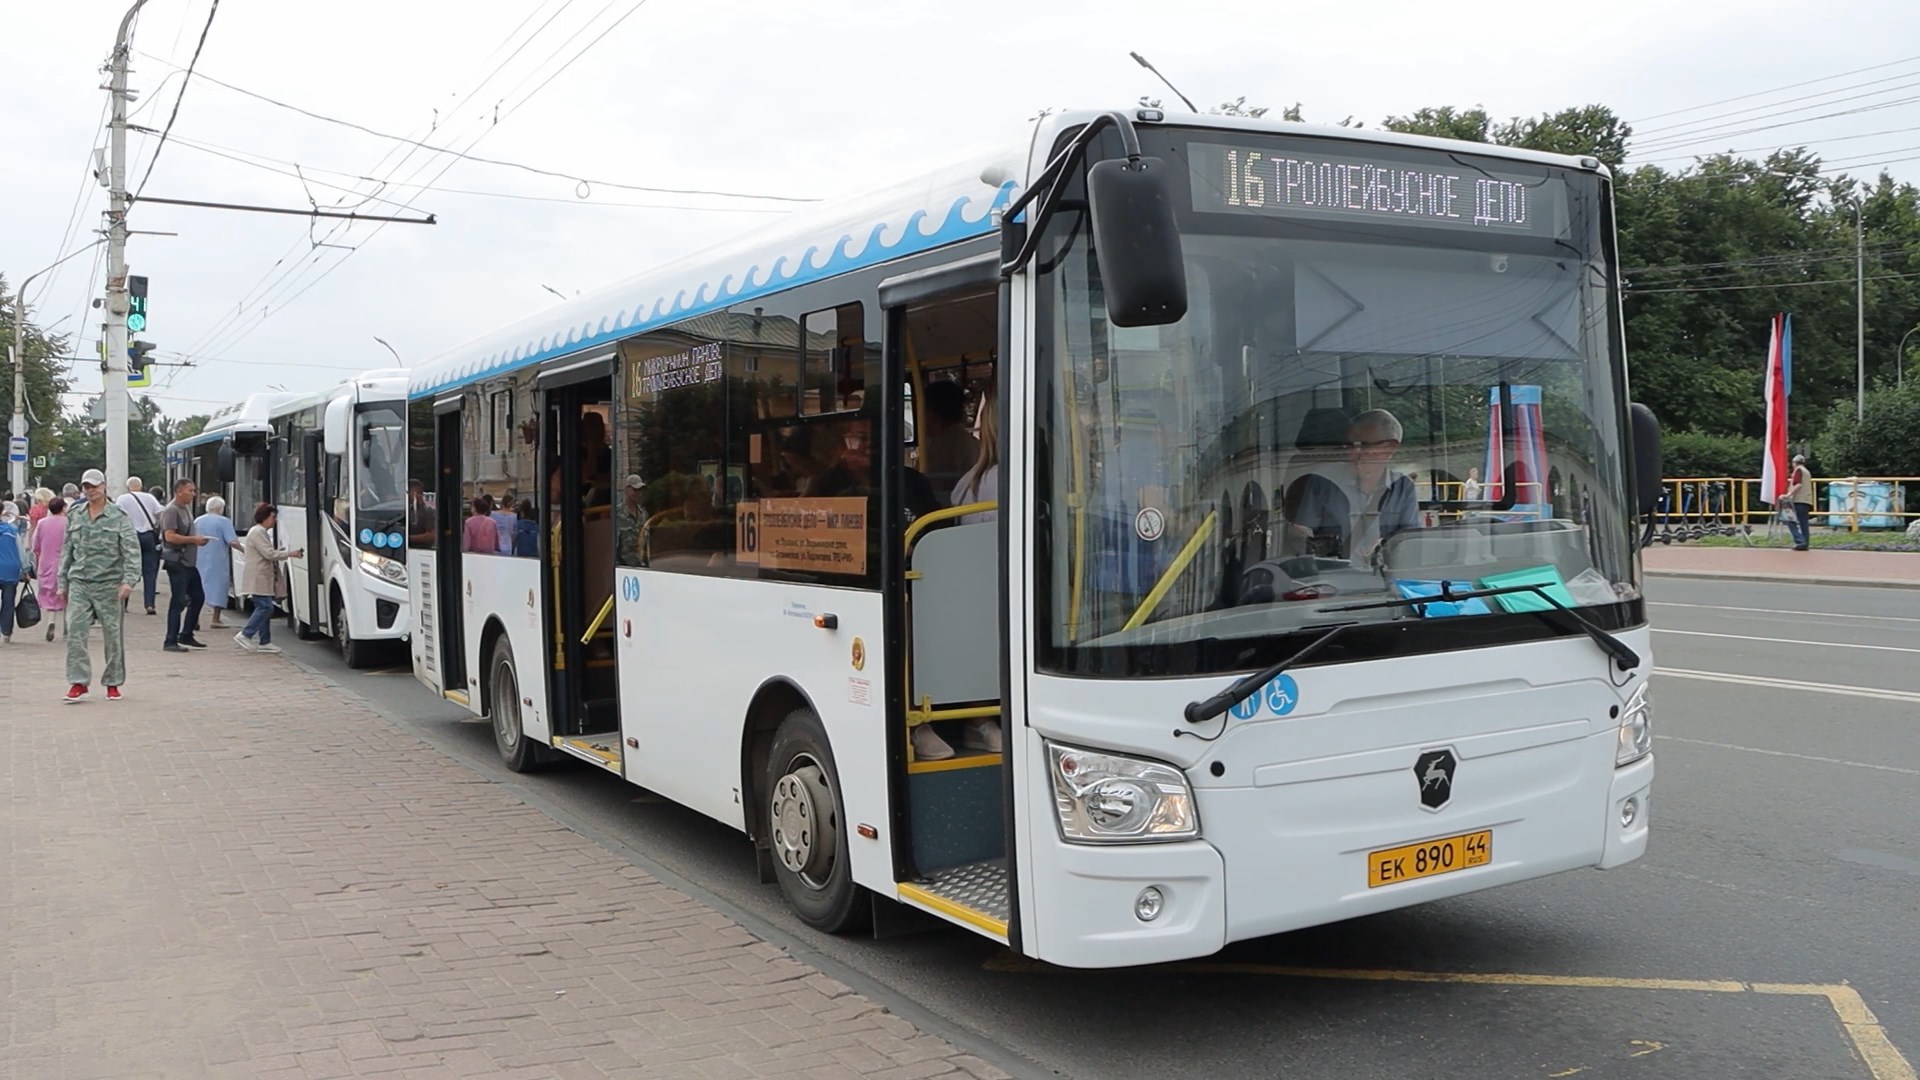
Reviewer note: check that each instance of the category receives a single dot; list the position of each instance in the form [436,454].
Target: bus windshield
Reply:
[381,439]
[1400,372]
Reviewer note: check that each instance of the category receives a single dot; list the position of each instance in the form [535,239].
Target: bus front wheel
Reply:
[503,684]
[807,829]
[353,651]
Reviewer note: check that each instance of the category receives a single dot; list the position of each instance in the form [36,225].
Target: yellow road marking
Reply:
[1883,1060]
[1647,1046]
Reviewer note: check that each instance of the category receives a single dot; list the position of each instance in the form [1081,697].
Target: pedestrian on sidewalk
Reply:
[49,537]
[1799,499]
[263,582]
[216,564]
[179,549]
[99,566]
[144,511]
[13,551]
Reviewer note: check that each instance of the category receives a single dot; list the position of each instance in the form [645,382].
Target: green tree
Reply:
[1884,441]
[45,375]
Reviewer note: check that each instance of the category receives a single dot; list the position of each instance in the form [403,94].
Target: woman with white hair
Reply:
[216,565]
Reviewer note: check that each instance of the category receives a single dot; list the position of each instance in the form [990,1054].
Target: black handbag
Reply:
[26,610]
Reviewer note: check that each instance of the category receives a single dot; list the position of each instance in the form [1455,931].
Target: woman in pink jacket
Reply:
[44,548]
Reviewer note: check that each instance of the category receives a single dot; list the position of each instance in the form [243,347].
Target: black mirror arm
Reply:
[1048,179]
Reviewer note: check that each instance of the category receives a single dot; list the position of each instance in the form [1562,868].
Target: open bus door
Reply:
[304,574]
[955,780]
[446,556]
[577,515]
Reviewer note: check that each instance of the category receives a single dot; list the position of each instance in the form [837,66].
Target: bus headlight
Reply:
[383,568]
[1636,729]
[1110,799]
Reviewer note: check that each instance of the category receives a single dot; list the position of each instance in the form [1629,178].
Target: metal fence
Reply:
[1696,506]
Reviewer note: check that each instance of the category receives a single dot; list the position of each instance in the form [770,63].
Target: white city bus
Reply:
[228,458]
[339,482]
[1248,667]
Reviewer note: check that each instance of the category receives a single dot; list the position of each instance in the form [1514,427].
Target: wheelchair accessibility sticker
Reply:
[1277,697]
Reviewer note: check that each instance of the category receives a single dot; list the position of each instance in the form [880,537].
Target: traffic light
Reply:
[136,303]
[138,371]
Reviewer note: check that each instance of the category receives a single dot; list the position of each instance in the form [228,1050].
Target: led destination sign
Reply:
[1290,184]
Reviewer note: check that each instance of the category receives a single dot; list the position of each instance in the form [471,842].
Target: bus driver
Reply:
[1347,509]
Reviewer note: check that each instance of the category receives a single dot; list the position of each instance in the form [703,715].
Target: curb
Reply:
[1784,579]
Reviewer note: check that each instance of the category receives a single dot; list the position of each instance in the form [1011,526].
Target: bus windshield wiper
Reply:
[1199,712]
[1622,653]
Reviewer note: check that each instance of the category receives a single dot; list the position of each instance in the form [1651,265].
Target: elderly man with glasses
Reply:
[1347,509]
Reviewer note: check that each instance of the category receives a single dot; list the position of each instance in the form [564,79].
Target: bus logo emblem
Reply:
[1434,770]
[859,657]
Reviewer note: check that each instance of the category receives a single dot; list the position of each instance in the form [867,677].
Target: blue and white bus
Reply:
[1073,545]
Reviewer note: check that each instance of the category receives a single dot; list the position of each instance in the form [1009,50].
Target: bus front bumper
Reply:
[1263,867]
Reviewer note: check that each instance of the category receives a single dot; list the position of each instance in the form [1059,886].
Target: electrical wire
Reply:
[234,340]
[502,163]
[1773,149]
[73,215]
[175,114]
[1764,285]
[1673,143]
[1773,108]
[267,164]
[1776,90]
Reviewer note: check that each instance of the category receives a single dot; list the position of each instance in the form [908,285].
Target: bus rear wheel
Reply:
[503,686]
[807,830]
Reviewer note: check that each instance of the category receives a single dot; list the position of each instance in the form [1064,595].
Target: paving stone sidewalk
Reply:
[1819,566]
[240,870]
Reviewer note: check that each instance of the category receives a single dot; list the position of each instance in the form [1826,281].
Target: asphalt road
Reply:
[1786,858]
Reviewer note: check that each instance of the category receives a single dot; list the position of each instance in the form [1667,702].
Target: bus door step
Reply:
[974,895]
[602,749]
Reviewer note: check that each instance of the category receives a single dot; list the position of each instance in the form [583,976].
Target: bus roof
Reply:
[931,211]
[250,414]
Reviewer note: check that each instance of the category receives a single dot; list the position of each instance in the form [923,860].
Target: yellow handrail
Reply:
[593,627]
[935,517]
[1172,574]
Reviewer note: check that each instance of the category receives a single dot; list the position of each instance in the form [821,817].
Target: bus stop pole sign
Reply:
[16,450]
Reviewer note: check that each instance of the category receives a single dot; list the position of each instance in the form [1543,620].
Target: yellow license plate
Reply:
[1394,865]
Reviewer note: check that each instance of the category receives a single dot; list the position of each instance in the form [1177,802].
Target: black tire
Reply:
[353,652]
[520,753]
[807,829]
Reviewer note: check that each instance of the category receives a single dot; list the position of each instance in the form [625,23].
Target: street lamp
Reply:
[17,470]
[1900,357]
[396,355]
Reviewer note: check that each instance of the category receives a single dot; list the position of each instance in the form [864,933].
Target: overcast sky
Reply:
[759,96]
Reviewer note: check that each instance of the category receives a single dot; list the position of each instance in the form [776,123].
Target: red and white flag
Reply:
[1774,472]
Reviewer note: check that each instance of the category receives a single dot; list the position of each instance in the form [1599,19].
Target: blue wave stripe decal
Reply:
[784,272]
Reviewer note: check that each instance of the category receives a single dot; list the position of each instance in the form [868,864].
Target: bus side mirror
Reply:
[337,426]
[223,458]
[1647,484]
[1136,242]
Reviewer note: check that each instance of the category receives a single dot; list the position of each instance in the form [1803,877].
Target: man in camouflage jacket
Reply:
[99,566]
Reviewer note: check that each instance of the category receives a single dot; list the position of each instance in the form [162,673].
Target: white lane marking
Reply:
[1798,757]
[1777,611]
[1764,683]
[1786,641]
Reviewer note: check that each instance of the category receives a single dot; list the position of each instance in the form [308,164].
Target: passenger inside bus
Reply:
[947,448]
[596,460]
[981,482]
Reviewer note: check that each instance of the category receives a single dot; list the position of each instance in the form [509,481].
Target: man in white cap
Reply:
[1799,497]
[99,566]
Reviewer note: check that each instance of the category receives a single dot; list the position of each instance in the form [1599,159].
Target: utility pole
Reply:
[113,396]
[1860,308]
